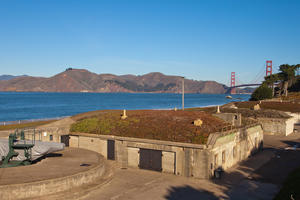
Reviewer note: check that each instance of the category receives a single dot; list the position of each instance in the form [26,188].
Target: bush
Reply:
[290,187]
[295,87]
[262,92]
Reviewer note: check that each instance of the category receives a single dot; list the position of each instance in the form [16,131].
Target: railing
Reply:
[229,127]
[3,123]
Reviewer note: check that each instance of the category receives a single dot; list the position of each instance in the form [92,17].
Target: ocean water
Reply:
[33,105]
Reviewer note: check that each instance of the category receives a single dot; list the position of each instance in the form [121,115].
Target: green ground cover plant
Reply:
[166,125]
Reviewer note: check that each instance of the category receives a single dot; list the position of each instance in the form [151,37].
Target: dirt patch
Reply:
[169,125]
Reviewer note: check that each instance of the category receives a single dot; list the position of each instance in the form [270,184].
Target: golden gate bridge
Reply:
[234,80]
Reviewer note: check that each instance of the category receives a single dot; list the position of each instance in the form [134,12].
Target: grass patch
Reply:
[291,186]
[24,125]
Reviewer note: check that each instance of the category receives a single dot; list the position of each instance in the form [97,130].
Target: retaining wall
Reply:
[51,186]
[277,126]
[229,149]
[295,116]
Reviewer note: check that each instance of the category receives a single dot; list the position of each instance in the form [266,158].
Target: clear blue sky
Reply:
[201,39]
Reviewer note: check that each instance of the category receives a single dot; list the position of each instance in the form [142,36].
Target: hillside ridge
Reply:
[82,80]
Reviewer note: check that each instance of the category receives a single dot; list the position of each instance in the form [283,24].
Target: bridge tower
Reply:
[232,83]
[269,67]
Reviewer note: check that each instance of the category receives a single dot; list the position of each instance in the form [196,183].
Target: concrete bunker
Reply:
[221,150]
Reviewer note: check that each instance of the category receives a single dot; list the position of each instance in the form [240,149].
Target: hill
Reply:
[8,77]
[81,80]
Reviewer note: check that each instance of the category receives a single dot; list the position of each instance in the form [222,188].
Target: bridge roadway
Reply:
[246,85]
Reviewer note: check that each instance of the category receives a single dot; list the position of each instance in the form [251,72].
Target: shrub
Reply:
[85,126]
[290,187]
[295,87]
[262,92]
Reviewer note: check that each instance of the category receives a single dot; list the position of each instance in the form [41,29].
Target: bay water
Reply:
[16,106]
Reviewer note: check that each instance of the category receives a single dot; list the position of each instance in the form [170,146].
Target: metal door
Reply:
[65,139]
[150,159]
[110,149]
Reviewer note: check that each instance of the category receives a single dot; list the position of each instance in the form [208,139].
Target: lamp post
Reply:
[182,92]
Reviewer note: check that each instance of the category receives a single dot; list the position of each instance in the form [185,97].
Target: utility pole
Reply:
[182,93]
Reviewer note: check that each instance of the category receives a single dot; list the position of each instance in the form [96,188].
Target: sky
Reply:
[200,39]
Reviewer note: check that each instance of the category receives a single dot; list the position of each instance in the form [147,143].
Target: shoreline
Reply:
[155,103]
[24,121]
[179,93]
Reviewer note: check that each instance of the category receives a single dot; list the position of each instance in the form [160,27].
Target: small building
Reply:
[221,150]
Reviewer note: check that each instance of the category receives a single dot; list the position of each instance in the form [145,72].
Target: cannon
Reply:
[16,141]
[20,151]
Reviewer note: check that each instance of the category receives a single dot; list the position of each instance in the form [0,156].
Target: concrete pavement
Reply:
[244,181]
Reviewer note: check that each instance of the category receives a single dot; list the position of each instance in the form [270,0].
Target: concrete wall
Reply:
[231,148]
[177,158]
[295,116]
[173,156]
[74,141]
[51,186]
[234,118]
[91,143]
[133,157]
[277,126]
[168,162]
[183,159]
[200,164]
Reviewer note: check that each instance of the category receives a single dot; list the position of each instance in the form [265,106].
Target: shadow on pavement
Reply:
[188,192]
[264,181]
[46,156]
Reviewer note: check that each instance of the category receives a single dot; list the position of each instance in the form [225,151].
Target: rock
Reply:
[198,122]
[256,107]
[233,106]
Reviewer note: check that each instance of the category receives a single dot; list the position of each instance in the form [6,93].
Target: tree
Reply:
[261,93]
[287,76]
[271,80]
[296,86]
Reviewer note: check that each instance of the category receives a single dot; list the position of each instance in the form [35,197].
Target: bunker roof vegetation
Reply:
[247,113]
[268,109]
[280,106]
[168,125]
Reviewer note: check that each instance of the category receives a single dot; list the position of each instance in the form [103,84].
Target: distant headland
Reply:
[81,80]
